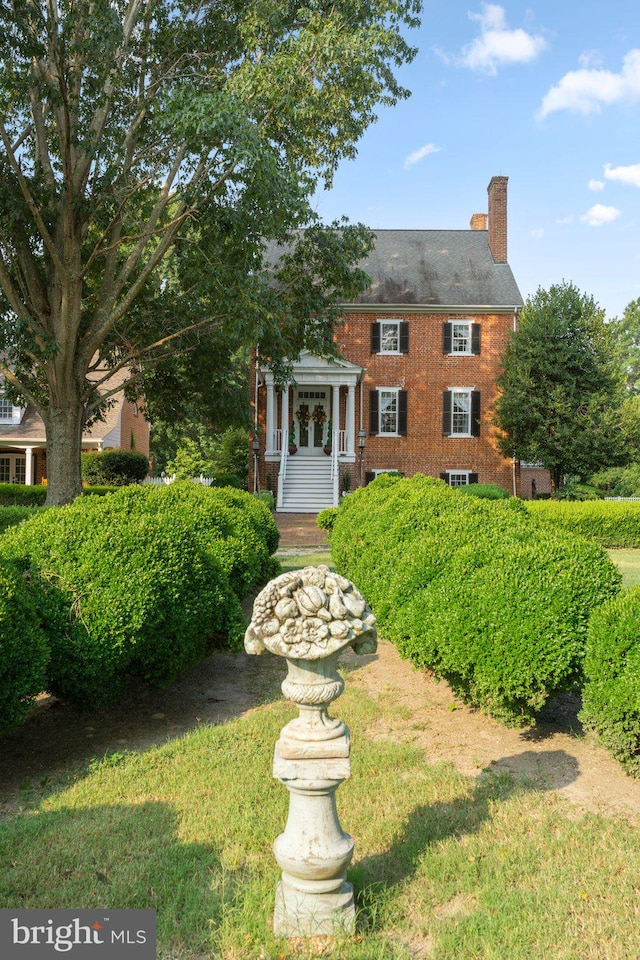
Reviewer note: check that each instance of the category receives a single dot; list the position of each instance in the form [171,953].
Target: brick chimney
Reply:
[478,221]
[497,191]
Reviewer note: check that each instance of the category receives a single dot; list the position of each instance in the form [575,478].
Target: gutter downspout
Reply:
[515,459]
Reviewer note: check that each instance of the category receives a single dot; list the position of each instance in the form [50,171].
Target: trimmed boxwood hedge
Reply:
[141,582]
[611,694]
[114,467]
[609,523]
[24,650]
[10,516]
[474,590]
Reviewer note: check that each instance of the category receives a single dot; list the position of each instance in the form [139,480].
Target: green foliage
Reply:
[611,694]
[609,524]
[24,650]
[560,390]
[626,338]
[167,155]
[619,481]
[141,582]
[487,491]
[266,497]
[326,518]
[17,494]
[573,490]
[474,590]
[10,516]
[114,468]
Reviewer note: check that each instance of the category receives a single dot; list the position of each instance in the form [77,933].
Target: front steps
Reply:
[308,487]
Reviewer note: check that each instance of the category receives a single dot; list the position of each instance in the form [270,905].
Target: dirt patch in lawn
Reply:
[56,744]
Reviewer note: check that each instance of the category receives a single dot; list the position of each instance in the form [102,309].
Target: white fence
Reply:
[165,478]
[624,499]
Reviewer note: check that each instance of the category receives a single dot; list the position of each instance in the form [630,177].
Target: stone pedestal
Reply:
[309,616]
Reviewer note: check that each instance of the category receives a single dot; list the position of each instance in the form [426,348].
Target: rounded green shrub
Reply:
[326,518]
[148,577]
[611,694]
[10,516]
[114,468]
[474,590]
[24,650]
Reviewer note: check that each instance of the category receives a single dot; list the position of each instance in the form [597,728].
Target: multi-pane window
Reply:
[460,479]
[388,411]
[12,469]
[390,336]
[6,410]
[461,412]
[461,337]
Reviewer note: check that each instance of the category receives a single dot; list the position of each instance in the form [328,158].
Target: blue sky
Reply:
[547,94]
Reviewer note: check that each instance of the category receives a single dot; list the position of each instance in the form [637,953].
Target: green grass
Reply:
[291,561]
[444,863]
[628,562]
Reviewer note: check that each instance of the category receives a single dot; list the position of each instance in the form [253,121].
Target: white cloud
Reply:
[587,91]
[420,154]
[598,215]
[624,174]
[538,233]
[564,220]
[596,184]
[590,58]
[497,44]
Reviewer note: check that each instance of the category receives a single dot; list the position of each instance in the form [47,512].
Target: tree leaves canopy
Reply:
[561,394]
[148,151]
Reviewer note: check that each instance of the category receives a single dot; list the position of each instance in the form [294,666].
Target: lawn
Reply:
[446,866]
[628,562]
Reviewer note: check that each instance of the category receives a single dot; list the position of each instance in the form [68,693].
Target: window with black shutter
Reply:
[373,411]
[402,413]
[475,413]
[446,337]
[375,337]
[369,476]
[404,337]
[446,413]
[473,478]
[475,338]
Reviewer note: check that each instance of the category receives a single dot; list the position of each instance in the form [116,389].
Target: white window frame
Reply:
[396,392]
[458,473]
[384,322]
[467,350]
[461,391]
[17,467]
[6,409]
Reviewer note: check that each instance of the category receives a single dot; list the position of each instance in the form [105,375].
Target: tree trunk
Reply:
[557,475]
[64,439]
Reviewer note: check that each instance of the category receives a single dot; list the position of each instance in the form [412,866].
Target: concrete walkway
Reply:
[300,530]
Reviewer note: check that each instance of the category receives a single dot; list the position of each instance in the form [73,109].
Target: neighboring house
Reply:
[415,381]
[23,445]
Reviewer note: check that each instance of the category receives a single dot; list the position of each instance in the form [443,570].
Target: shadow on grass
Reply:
[431,823]
[117,857]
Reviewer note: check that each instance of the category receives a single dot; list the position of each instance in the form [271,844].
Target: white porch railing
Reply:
[335,472]
[170,478]
[342,441]
[282,473]
[277,440]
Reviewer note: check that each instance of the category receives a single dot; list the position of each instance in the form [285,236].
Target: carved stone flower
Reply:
[309,614]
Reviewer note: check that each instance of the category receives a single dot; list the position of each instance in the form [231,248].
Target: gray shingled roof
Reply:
[437,267]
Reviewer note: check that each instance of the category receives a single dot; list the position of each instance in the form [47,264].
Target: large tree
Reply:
[626,336]
[561,392]
[148,150]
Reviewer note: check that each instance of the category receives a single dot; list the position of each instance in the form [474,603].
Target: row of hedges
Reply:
[20,495]
[608,523]
[477,591]
[135,585]
[114,468]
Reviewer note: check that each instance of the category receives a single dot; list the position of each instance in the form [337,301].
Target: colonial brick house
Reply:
[23,444]
[414,384]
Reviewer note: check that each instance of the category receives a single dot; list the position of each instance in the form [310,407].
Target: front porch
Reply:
[309,431]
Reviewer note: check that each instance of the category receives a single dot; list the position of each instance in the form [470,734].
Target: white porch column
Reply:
[285,411]
[351,418]
[28,470]
[270,439]
[335,412]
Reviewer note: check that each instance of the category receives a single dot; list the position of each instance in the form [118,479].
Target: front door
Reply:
[310,417]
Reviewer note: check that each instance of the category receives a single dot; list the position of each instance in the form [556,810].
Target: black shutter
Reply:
[447,341]
[373,411]
[473,478]
[369,476]
[475,338]
[475,413]
[402,413]
[445,477]
[446,413]
[404,337]
[375,337]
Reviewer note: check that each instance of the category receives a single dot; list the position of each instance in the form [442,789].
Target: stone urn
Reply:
[309,617]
